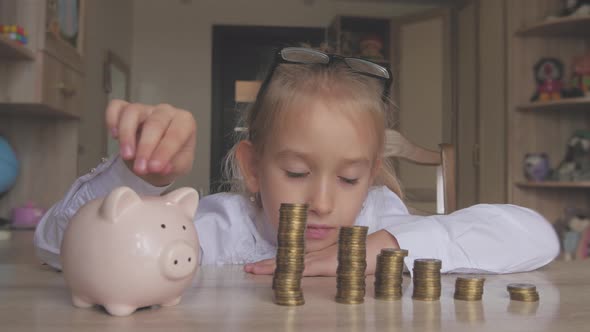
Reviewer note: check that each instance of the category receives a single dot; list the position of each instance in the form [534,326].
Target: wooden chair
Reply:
[398,146]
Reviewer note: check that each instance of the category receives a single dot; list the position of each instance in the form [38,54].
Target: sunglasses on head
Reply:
[301,55]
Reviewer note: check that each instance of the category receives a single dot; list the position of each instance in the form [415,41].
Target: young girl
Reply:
[315,135]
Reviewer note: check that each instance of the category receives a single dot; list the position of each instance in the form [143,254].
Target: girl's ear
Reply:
[376,170]
[246,155]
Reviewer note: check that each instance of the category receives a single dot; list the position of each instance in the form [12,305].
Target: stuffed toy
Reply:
[576,163]
[548,75]
[570,229]
[371,46]
[536,166]
[575,8]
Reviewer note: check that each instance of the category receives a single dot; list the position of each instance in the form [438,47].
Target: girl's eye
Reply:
[296,174]
[349,181]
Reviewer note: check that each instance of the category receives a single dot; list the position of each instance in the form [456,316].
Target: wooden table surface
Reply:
[34,297]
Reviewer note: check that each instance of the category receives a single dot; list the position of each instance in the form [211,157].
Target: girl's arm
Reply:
[98,183]
[482,238]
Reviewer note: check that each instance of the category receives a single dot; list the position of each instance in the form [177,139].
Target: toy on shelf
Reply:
[548,75]
[581,74]
[576,8]
[9,166]
[14,32]
[572,8]
[371,46]
[27,216]
[574,231]
[125,251]
[576,163]
[536,166]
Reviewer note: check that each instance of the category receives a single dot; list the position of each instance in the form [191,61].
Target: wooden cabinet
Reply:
[543,126]
[40,102]
[60,87]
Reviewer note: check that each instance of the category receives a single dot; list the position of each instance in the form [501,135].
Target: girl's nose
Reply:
[322,199]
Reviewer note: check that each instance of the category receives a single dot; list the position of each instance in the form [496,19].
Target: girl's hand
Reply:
[157,142]
[318,263]
[325,262]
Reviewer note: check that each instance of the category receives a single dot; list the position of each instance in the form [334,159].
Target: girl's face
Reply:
[325,158]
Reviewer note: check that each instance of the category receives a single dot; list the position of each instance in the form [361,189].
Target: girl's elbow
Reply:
[545,240]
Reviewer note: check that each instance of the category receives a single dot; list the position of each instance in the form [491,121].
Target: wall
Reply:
[482,101]
[172,49]
[492,101]
[108,26]
[421,101]
[467,104]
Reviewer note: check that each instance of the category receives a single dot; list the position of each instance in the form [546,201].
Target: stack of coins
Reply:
[469,288]
[352,264]
[388,274]
[523,292]
[290,255]
[427,284]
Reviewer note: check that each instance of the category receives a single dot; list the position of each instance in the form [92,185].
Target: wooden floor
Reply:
[34,297]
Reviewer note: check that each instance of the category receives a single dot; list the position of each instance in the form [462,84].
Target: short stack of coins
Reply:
[352,265]
[388,274]
[469,288]
[427,286]
[290,255]
[523,292]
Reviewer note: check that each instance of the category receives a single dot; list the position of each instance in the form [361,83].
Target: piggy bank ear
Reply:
[186,198]
[117,202]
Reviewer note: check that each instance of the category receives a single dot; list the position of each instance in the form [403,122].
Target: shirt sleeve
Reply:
[226,226]
[110,174]
[483,238]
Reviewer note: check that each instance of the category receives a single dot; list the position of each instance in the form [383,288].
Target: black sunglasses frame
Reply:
[332,58]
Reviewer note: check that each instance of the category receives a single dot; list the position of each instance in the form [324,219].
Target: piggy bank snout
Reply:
[178,261]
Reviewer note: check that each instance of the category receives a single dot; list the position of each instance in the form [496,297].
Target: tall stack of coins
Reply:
[352,264]
[388,274]
[523,292]
[469,288]
[290,255]
[427,284]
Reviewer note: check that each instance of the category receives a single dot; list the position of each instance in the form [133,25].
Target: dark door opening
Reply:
[242,53]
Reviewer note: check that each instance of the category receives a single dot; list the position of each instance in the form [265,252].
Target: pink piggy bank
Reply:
[126,252]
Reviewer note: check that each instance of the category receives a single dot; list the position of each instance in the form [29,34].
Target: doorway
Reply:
[242,53]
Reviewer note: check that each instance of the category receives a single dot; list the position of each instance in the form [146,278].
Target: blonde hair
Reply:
[337,85]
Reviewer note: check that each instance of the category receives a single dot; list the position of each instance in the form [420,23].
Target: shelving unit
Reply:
[567,104]
[12,50]
[40,103]
[576,27]
[543,126]
[554,184]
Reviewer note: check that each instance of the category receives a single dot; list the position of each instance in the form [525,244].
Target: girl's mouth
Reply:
[318,231]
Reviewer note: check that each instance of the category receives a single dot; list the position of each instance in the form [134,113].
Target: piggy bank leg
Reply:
[78,302]
[120,309]
[172,302]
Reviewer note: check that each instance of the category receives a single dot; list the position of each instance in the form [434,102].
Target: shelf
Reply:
[560,27]
[567,104]
[554,184]
[9,49]
[36,110]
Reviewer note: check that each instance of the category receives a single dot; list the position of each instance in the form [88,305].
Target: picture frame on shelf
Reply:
[64,22]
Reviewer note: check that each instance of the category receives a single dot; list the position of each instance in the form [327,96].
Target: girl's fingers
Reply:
[112,116]
[182,128]
[153,129]
[130,119]
[266,266]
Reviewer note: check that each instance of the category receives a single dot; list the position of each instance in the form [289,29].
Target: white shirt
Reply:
[483,238]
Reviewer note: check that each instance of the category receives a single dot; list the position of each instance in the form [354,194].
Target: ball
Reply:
[9,166]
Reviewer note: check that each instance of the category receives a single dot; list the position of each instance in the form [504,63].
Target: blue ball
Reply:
[9,166]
